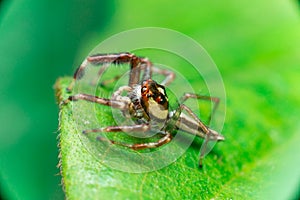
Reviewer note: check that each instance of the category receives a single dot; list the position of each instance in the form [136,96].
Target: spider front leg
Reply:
[120,58]
[164,140]
[117,95]
[192,124]
[130,128]
[169,75]
[215,100]
[103,101]
[133,128]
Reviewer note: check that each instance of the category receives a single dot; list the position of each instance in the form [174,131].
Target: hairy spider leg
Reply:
[108,102]
[185,124]
[129,128]
[136,64]
[117,95]
[170,76]
[148,70]
[132,128]
[122,105]
[215,100]
[120,58]
[164,140]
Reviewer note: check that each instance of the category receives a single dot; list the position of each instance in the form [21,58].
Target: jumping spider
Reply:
[146,103]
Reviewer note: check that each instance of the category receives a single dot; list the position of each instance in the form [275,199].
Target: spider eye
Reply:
[144,89]
[160,100]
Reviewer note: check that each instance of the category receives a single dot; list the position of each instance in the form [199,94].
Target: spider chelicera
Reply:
[146,103]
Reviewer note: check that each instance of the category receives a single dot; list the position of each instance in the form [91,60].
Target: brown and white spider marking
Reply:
[146,103]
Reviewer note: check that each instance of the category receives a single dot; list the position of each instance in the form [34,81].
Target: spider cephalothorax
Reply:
[154,100]
[146,103]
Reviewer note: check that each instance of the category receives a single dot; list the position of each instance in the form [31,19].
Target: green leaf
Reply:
[251,162]
[258,160]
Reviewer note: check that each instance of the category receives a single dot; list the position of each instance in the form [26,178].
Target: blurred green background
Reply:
[42,40]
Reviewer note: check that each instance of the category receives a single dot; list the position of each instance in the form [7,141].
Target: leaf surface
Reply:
[258,160]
